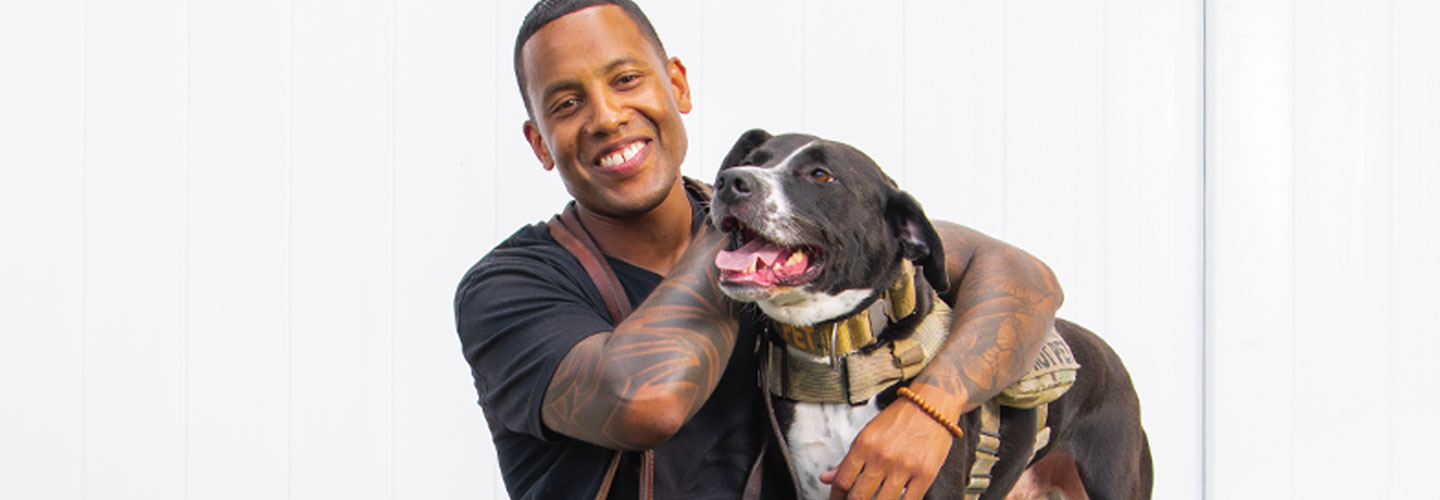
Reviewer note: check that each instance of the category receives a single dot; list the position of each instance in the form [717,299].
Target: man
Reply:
[562,387]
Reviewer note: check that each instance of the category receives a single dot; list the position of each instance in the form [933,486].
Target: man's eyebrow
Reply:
[621,62]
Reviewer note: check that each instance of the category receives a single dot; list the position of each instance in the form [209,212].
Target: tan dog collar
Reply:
[805,368]
[848,335]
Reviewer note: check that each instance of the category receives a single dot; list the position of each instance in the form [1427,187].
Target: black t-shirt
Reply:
[519,311]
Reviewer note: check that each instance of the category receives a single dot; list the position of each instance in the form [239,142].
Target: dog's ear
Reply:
[750,140]
[918,239]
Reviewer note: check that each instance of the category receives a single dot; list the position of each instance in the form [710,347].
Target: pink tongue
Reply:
[741,258]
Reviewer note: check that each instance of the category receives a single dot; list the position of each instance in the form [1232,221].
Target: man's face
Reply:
[605,110]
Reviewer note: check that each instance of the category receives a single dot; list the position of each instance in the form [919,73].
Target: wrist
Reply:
[947,404]
[940,418]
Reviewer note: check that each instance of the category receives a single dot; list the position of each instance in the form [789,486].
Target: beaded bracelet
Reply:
[935,414]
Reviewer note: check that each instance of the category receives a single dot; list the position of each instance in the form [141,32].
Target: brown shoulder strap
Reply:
[779,435]
[647,475]
[566,229]
[609,477]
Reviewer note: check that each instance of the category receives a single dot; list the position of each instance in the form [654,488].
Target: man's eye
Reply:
[627,79]
[820,175]
[565,105]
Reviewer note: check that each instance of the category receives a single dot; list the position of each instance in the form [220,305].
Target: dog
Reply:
[820,236]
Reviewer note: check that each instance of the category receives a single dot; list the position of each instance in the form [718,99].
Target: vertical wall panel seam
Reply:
[904,93]
[804,33]
[1204,248]
[1390,254]
[495,123]
[699,55]
[290,273]
[1293,219]
[185,268]
[1004,120]
[394,154]
[1105,163]
[84,218]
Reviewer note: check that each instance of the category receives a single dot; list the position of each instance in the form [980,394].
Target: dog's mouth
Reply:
[751,260]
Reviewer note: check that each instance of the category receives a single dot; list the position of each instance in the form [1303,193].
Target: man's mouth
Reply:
[752,260]
[621,155]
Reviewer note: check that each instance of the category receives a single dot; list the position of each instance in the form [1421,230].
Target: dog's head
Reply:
[817,230]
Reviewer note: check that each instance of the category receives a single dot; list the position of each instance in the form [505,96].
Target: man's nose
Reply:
[610,115]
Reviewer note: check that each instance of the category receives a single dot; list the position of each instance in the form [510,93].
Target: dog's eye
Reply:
[820,175]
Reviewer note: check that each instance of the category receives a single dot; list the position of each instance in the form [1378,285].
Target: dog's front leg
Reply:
[820,437]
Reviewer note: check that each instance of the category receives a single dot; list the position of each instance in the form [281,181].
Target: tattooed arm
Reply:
[634,387]
[1004,301]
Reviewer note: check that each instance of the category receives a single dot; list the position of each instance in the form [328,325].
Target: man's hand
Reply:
[1004,301]
[899,452]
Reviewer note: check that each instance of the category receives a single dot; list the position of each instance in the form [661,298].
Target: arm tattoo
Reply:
[632,387]
[1005,302]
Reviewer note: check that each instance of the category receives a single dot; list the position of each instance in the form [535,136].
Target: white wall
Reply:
[1322,224]
[233,229]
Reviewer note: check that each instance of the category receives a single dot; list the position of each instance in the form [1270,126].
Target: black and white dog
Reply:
[821,236]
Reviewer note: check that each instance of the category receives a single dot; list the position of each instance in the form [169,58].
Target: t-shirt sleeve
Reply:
[518,312]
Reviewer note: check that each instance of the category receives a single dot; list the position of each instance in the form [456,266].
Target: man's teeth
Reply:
[623,155]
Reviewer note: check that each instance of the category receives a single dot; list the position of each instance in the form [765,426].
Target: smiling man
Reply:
[563,386]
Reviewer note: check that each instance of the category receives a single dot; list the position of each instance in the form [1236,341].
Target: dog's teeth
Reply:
[795,258]
[750,269]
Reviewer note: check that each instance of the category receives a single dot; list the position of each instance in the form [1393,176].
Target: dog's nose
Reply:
[734,184]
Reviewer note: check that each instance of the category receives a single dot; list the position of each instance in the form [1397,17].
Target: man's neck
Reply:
[653,240]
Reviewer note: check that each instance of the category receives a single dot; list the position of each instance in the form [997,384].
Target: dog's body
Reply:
[820,234]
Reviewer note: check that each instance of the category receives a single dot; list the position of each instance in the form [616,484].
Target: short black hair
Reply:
[545,11]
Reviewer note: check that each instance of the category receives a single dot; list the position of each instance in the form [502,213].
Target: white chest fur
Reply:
[820,436]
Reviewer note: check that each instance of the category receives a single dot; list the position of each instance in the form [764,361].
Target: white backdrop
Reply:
[233,230]
[1322,223]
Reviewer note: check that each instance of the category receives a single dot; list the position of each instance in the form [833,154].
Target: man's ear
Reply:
[918,240]
[537,145]
[750,140]
[679,83]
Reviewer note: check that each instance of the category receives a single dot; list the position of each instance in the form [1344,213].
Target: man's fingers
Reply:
[916,488]
[844,475]
[865,486]
[838,488]
[922,475]
[892,488]
[839,485]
